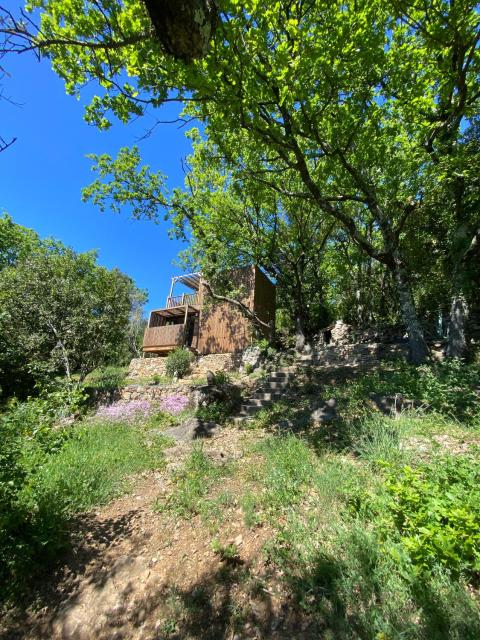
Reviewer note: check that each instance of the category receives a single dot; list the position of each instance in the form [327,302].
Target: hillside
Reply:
[364,525]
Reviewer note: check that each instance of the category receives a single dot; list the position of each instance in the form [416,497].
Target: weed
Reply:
[251,509]
[226,552]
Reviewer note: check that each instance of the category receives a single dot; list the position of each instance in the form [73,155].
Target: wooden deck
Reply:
[164,338]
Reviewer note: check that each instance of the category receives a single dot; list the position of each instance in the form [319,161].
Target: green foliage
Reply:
[448,387]
[106,378]
[355,572]
[178,362]
[226,552]
[34,420]
[248,368]
[193,483]
[16,242]
[216,411]
[81,317]
[436,510]
[221,377]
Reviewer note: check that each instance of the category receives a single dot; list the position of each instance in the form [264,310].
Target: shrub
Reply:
[432,511]
[436,509]
[214,412]
[178,362]
[221,377]
[34,419]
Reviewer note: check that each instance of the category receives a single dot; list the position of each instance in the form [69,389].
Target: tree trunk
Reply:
[299,331]
[457,346]
[418,350]
[184,27]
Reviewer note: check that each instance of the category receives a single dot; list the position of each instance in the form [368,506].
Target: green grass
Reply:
[192,485]
[95,464]
[367,548]
[94,467]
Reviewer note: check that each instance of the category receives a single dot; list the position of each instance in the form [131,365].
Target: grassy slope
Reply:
[371,522]
[374,519]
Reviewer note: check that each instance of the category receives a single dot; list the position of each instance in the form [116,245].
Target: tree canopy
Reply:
[61,313]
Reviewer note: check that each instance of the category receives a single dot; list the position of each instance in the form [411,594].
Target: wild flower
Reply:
[125,410]
[174,403]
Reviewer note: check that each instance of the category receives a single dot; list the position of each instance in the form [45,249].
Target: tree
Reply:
[353,100]
[16,242]
[229,221]
[61,313]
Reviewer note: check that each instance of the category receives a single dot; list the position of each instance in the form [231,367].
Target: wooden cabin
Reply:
[195,321]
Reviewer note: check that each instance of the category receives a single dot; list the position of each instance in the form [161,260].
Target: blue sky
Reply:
[42,174]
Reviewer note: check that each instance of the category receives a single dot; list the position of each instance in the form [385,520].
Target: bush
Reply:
[432,511]
[436,510]
[221,377]
[214,412]
[178,362]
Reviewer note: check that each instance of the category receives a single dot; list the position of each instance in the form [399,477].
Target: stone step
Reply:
[274,384]
[249,409]
[256,402]
[266,395]
[280,375]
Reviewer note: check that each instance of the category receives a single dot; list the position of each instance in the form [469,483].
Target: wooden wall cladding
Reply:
[224,329]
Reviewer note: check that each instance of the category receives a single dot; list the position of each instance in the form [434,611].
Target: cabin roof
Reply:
[191,280]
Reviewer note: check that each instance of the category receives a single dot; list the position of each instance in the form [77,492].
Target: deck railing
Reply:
[181,301]
[170,336]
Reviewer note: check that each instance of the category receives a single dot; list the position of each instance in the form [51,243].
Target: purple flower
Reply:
[174,403]
[123,410]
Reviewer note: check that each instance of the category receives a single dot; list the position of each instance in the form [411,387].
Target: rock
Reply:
[252,356]
[228,394]
[210,378]
[324,411]
[394,403]
[340,333]
[192,429]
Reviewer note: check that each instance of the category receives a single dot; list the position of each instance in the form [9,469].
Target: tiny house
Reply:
[203,325]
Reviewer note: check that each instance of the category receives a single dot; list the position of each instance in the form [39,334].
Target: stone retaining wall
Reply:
[155,392]
[198,395]
[149,367]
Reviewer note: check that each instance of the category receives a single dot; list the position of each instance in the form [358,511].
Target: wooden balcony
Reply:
[163,338]
[181,301]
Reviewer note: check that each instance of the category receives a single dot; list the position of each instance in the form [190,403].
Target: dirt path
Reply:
[137,574]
